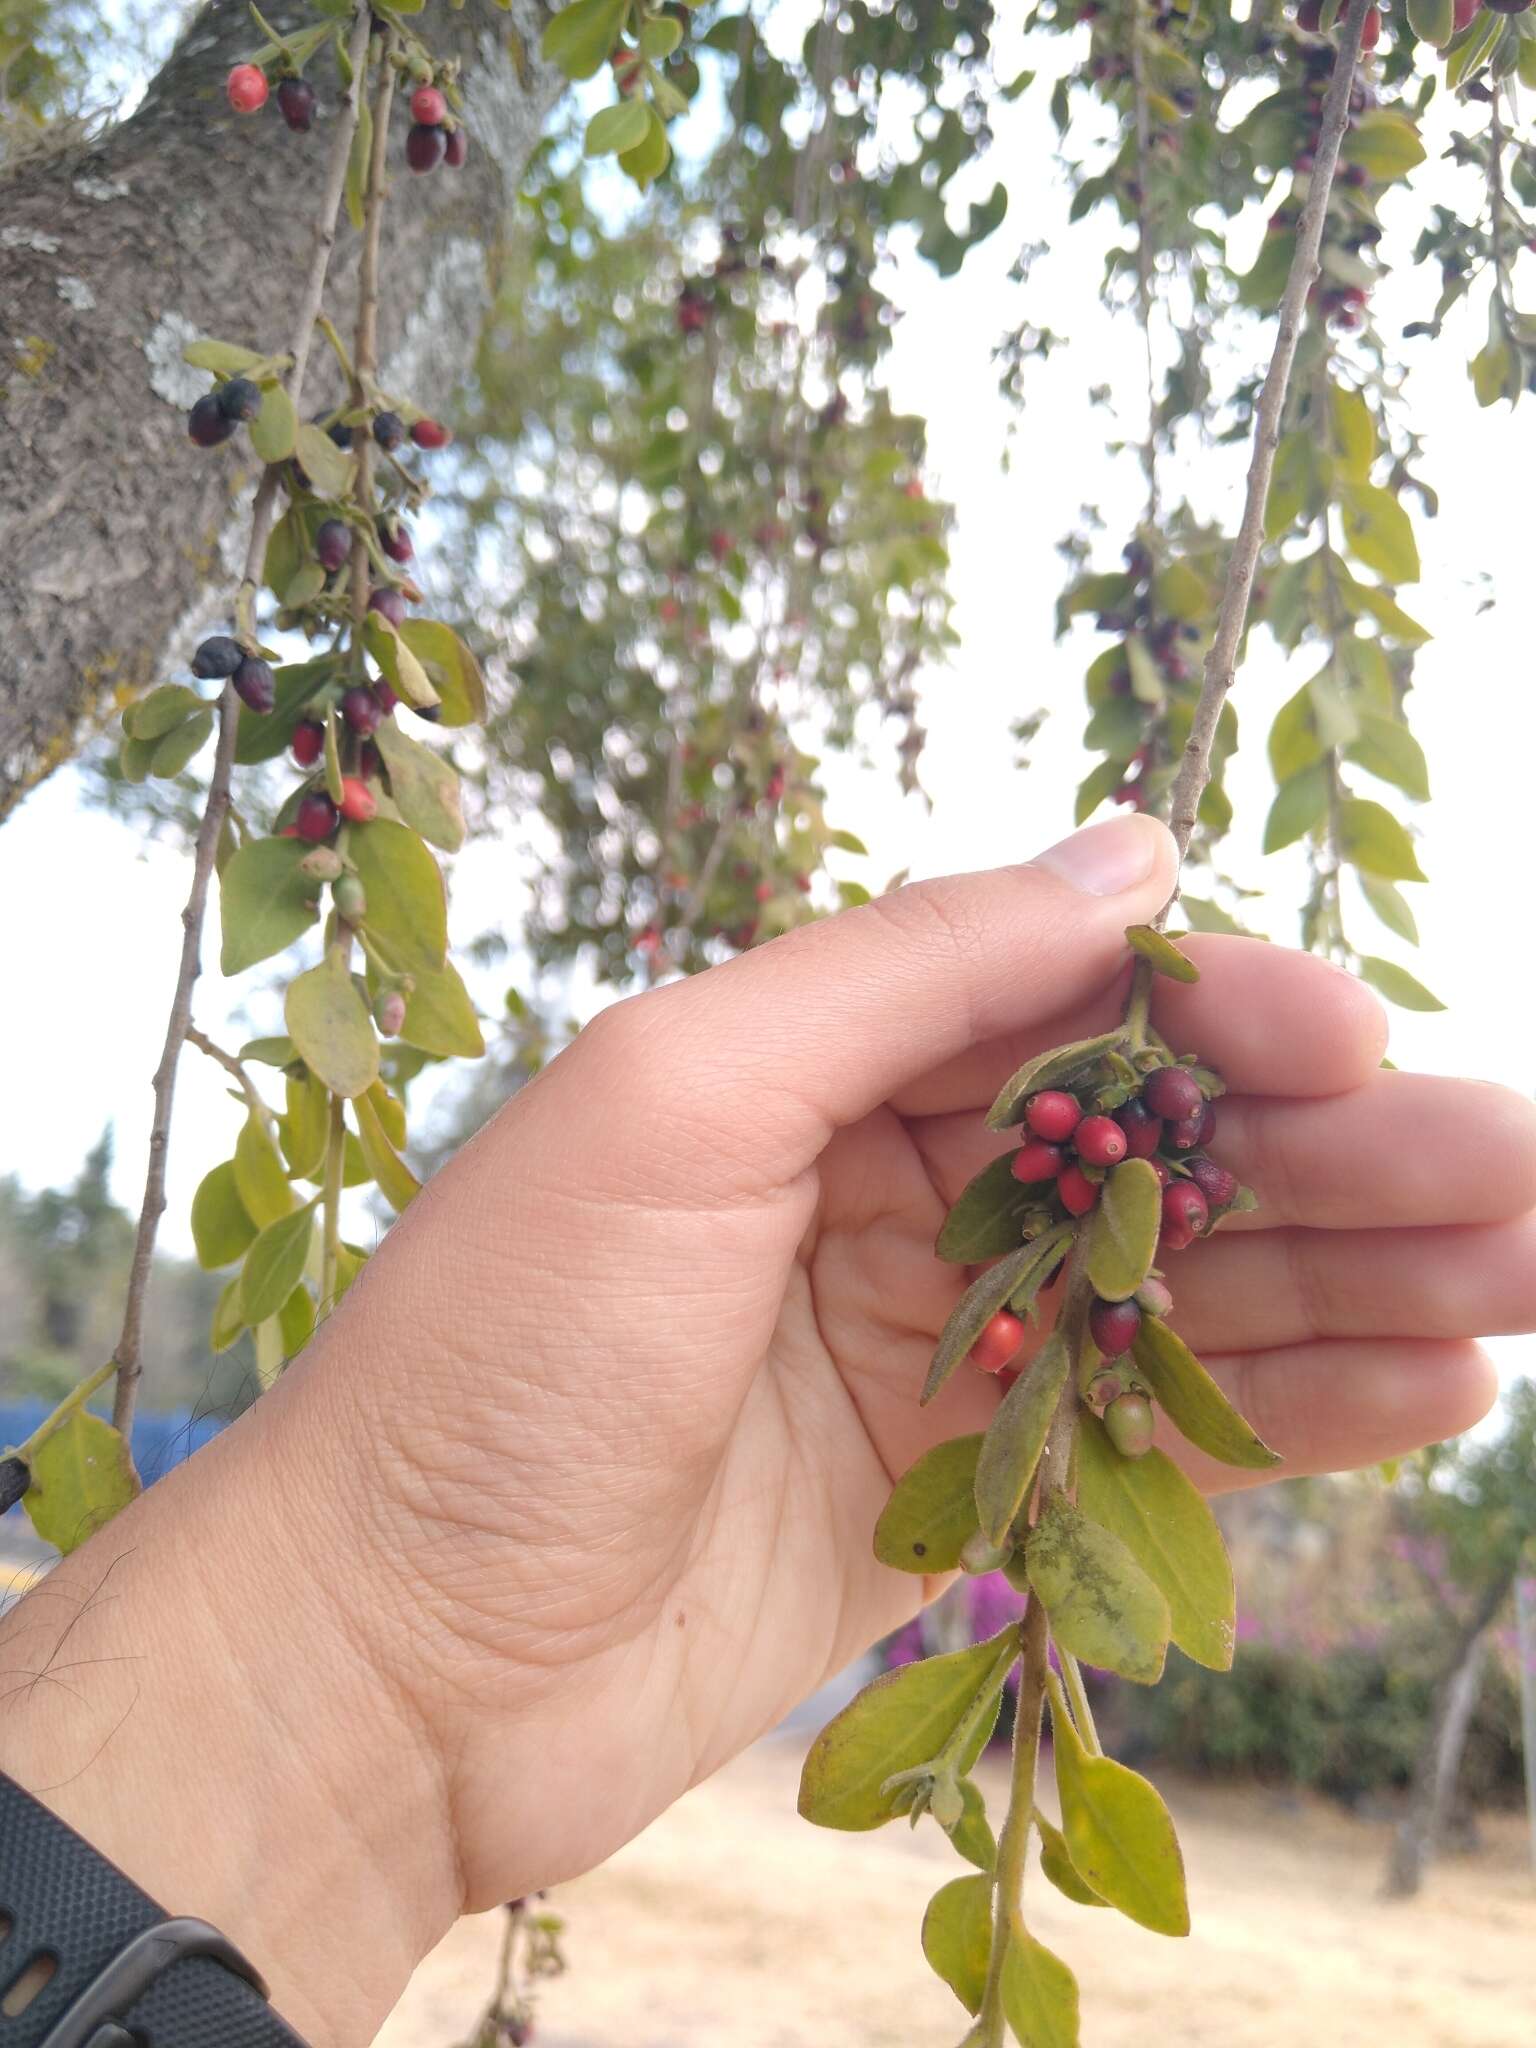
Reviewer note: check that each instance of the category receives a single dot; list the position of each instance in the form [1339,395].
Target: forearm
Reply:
[193,1691]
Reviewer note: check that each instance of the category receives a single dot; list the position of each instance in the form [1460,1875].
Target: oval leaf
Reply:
[265,902]
[176,749]
[329,1023]
[1054,1069]
[82,1476]
[1010,1450]
[1039,1995]
[988,1218]
[304,1131]
[440,1017]
[1102,1605]
[1195,1405]
[296,1321]
[275,1264]
[1397,984]
[972,1834]
[424,787]
[931,1514]
[221,1229]
[622,126]
[971,1313]
[957,1937]
[579,38]
[274,431]
[153,716]
[1167,1526]
[396,1181]
[450,668]
[1372,839]
[896,1724]
[1056,1862]
[328,467]
[260,1174]
[407,908]
[1122,1238]
[1164,955]
[1118,1833]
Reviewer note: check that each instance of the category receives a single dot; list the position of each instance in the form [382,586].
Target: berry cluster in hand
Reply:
[432,139]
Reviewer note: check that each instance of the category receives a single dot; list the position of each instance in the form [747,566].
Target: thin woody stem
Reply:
[365,347]
[1221,662]
[230,1064]
[127,1358]
[75,1398]
[1144,254]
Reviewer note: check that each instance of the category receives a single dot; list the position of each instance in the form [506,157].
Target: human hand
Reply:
[591,1456]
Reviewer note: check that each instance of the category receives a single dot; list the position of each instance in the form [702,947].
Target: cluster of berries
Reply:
[431,140]
[217,413]
[1070,1151]
[246,90]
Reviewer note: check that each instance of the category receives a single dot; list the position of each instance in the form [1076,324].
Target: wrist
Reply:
[193,1693]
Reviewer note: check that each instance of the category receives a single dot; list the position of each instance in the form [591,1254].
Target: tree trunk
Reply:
[189,220]
[1439,1765]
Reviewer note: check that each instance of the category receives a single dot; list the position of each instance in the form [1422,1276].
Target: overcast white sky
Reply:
[92,918]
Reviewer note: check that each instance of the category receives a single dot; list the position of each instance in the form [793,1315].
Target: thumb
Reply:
[761,1059]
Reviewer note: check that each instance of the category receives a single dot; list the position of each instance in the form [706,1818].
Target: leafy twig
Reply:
[1144,254]
[127,1359]
[75,1398]
[1221,662]
[1013,1843]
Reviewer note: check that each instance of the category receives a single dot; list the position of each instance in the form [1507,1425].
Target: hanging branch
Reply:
[127,1358]
[1221,662]
[1144,255]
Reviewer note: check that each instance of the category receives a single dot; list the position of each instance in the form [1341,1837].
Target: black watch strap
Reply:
[126,1974]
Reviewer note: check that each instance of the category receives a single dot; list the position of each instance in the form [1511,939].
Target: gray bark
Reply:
[187,220]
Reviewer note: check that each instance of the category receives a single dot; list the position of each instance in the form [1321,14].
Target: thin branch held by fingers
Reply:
[127,1358]
[1221,662]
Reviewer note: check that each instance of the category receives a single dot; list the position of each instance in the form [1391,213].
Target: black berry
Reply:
[239,399]
[254,684]
[425,148]
[217,658]
[14,1481]
[333,544]
[432,713]
[296,102]
[389,430]
[208,423]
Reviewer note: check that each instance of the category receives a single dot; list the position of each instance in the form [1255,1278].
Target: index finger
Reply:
[1271,1021]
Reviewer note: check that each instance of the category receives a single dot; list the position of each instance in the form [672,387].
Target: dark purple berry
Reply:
[15,1478]
[255,684]
[360,708]
[395,540]
[296,101]
[432,713]
[1216,1183]
[315,819]
[339,432]
[1143,1131]
[1191,1131]
[389,604]
[455,149]
[424,147]
[1172,1092]
[239,399]
[333,544]
[1113,1326]
[208,423]
[385,696]
[217,658]
[389,430]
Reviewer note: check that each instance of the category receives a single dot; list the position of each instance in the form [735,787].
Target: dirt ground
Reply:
[732,1924]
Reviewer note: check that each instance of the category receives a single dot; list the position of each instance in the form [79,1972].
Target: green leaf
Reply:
[180,744]
[1162,952]
[1386,747]
[1118,1833]
[328,467]
[980,1302]
[1397,984]
[296,1321]
[659,38]
[82,1476]
[1388,614]
[1097,784]
[621,126]
[277,1051]
[1432,21]
[931,1514]
[1379,532]
[1354,433]
[155,715]
[1194,1403]
[228,1323]
[450,668]
[1391,906]
[1039,1995]
[260,1175]
[397,661]
[1010,1450]
[1371,838]
[1056,1862]
[988,1218]
[957,1937]
[1205,916]
[1300,806]
[1166,1525]
[275,1264]
[1291,485]
[265,902]
[133,759]
[358,159]
[305,1130]
[1102,1605]
[221,1228]
[581,35]
[896,1724]
[274,431]
[407,908]
[424,787]
[1055,1069]
[440,1018]
[396,1181]
[1122,1236]
[972,1834]
[329,1023]
[1384,143]
[651,155]
[223,358]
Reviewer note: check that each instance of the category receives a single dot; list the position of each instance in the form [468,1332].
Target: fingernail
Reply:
[1104,860]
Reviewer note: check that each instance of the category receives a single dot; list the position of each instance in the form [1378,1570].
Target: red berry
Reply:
[1185,1215]
[999,1342]
[1171,1092]
[208,423]
[1053,1114]
[1078,1193]
[1037,1161]
[246,87]
[333,544]
[424,148]
[1216,1183]
[395,540]
[1143,1131]
[430,434]
[1113,1326]
[1466,12]
[296,103]
[456,148]
[428,106]
[315,819]
[288,832]
[387,700]
[360,708]
[308,743]
[1100,1141]
[1130,1423]
[1191,1131]
[1370,29]
[389,604]
[356,800]
[1163,1171]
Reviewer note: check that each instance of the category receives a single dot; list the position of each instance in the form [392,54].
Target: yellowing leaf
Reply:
[957,1937]
[328,467]
[407,908]
[1193,1402]
[931,1514]
[1056,1862]
[396,1181]
[274,431]
[1164,955]
[329,1023]
[1379,532]
[1122,1237]
[1011,1448]
[275,1264]
[424,787]
[1371,838]
[221,1229]
[82,1476]
[260,1175]
[1102,1606]
[1118,1833]
[1039,1996]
